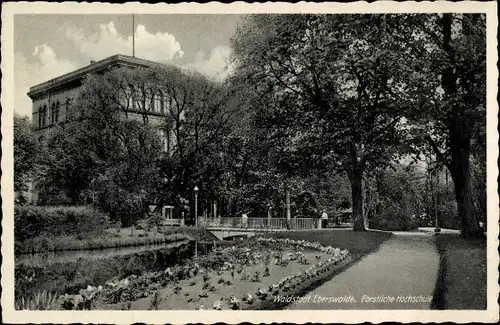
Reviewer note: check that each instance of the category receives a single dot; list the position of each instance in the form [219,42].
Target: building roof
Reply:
[77,75]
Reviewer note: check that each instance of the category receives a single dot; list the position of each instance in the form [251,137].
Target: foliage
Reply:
[307,205]
[198,119]
[42,300]
[26,150]
[88,241]
[33,221]
[155,301]
[392,219]
[400,199]
[439,199]
[450,84]
[328,84]
[478,171]
[130,286]
[100,157]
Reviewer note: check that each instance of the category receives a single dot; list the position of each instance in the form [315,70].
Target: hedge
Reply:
[33,221]
[392,220]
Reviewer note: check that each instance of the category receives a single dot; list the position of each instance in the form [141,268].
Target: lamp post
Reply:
[269,207]
[196,189]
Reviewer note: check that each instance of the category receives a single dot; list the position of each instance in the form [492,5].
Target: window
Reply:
[69,102]
[42,116]
[54,112]
[158,102]
[166,103]
[165,141]
[153,102]
[45,115]
[138,99]
[149,104]
[129,95]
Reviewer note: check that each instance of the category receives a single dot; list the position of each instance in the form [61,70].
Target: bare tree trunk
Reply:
[287,200]
[460,173]
[368,198]
[358,222]
[460,141]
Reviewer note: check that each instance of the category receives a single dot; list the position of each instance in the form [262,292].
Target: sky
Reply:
[47,46]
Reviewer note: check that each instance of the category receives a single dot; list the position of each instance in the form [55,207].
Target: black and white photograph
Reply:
[249,160]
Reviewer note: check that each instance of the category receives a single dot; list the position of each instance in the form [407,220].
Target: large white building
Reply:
[52,99]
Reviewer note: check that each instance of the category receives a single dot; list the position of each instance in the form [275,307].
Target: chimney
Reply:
[92,62]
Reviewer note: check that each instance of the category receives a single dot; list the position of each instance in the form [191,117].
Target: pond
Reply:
[69,271]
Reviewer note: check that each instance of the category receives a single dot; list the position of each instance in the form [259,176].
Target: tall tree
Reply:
[26,150]
[198,112]
[452,92]
[102,155]
[338,82]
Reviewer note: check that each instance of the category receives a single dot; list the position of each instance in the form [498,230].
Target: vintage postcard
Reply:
[203,163]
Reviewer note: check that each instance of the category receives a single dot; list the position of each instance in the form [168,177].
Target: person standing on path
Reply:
[244,220]
[324,219]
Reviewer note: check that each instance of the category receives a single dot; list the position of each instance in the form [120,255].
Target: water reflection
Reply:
[49,258]
[70,271]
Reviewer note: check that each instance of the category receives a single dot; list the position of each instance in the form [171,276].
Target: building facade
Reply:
[53,99]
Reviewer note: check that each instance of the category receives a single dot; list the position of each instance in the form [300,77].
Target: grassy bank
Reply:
[462,273]
[198,234]
[110,238]
[70,277]
[359,243]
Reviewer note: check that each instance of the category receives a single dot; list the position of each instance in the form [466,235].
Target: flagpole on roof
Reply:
[133,35]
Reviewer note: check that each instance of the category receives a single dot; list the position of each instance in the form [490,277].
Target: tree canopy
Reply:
[356,88]
[337,84]
[26,150]
[318,107]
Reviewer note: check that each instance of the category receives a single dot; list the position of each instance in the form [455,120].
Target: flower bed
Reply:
[230,277]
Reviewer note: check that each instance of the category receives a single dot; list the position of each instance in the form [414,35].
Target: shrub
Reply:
[448,214]
[307,204]
[126,207]
[33,221]
[393,220]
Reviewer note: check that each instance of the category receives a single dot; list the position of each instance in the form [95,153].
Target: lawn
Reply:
[359,243]
[462,273]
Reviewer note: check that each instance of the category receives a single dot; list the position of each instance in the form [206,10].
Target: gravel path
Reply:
[401,274]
